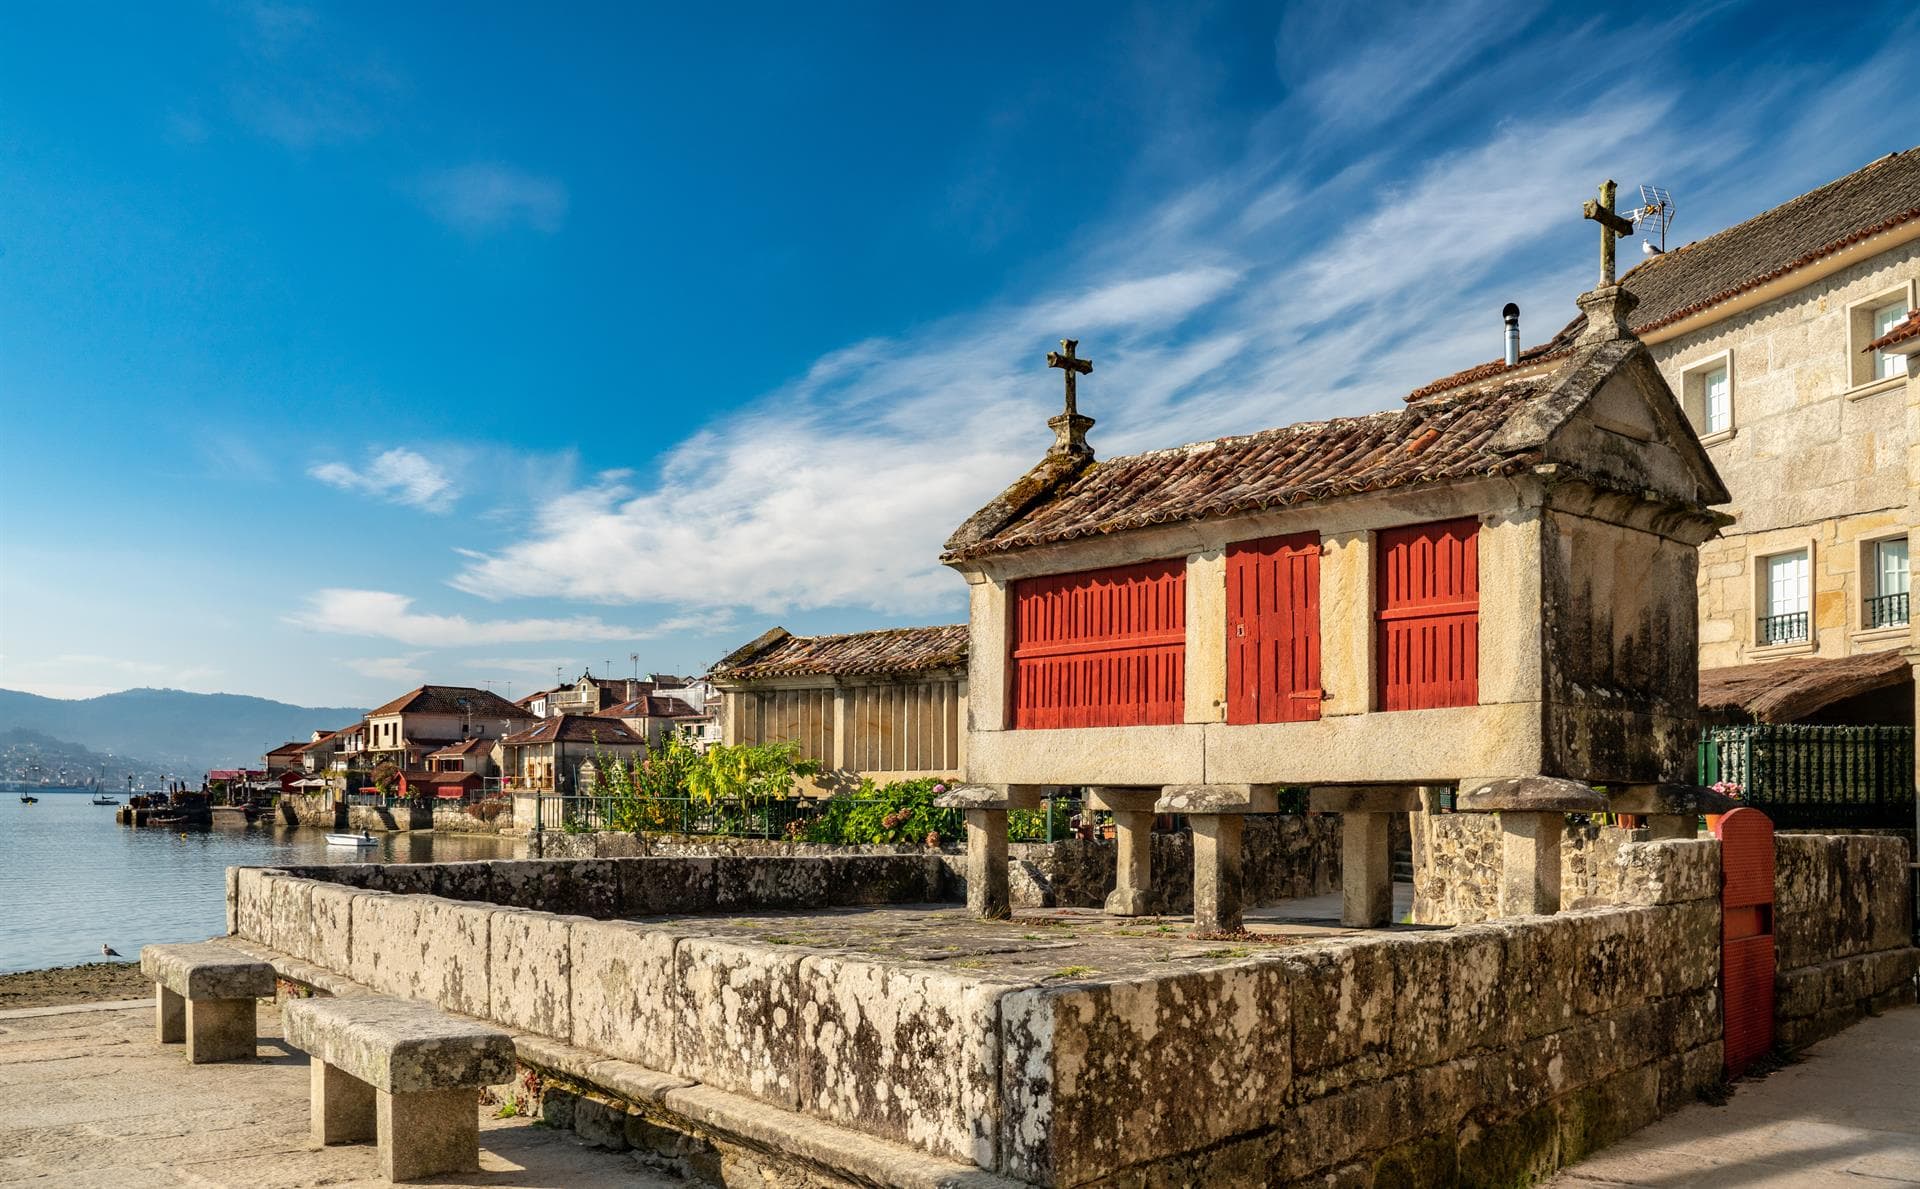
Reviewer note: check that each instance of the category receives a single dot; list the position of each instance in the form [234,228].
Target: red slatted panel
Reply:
[1427,587]
[1102,648]
[1746,936]
[1273,629]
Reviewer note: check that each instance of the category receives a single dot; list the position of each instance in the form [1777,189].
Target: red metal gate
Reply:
[1273,629]
[1746,936]
[1427,587]
[1101,648]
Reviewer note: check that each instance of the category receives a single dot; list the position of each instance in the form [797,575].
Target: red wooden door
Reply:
[1746,936]
[1273,629]
[1427,591]
[1100,648]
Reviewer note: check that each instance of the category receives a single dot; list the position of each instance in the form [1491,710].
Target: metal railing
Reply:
[1783,629]
[1816,776]
[1886,611]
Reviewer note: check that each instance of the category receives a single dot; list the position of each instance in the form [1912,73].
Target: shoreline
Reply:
[59,986]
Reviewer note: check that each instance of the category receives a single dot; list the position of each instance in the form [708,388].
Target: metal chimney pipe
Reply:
[1511,313]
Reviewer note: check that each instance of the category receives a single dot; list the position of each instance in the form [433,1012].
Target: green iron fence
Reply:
[1816,776]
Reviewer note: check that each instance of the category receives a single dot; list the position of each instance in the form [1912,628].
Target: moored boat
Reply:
[27,799]
[100,800]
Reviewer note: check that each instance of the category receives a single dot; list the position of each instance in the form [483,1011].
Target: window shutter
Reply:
[1100,648]
[1427,592]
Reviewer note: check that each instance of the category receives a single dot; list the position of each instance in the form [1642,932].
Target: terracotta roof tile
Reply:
[1880,196]
[1903,332]
[447,699]
[1792,689]
[574,728]
[890,650]
[1433,442]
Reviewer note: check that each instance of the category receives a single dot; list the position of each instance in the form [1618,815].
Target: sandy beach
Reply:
[93,982]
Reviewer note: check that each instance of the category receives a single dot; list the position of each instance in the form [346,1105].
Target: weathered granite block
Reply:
[1420,998]
[1670,872]
[1690,957]
[911,1053]
[621,1000]
[463,881]
[388,954]
[402,879]
[254,912]
[1335,1127]
[658,887]
[601,1121]
[332,908]
[454,954]
[233,900]
[290,908]
[580,887]
[1475,1010]
[1100,1076]
[1617,956]
[396,1045]
[735,1006]
[530,971]
[885,879]
[1342,1003]
[206,970]
[1538,975]
[755,882]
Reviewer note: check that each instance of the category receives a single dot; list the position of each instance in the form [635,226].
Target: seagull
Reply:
[107,951]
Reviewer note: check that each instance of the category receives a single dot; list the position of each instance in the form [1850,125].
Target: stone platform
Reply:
[822,1012]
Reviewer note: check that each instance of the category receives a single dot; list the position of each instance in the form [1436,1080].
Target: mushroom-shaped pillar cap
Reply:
[1532,794]
[991,796]
[1670,800]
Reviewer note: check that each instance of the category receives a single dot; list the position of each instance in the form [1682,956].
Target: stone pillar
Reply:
[340,1106]
[1366,870]
[988,891]
[1530,863]
[1205,681]
[220,1030]
[169,1015]
[427,1132]
[1132,811]
[1218,883]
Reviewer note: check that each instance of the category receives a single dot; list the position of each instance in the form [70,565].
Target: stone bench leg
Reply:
[1366,870]
[428,1132]
[340,1110]
[169,1016]
[988,892]
[220,1030]
[1218,884]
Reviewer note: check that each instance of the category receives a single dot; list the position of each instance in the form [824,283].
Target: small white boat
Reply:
[350,840]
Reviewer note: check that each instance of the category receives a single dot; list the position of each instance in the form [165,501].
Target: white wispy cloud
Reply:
[388,616]
[403,670]
[399,476]
[305,87]
[493,196]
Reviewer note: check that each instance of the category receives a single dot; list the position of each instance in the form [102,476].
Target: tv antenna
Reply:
[1656,208]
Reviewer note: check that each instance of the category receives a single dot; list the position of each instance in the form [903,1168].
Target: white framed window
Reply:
[1706,393]
[1786,593]
[1867,320]
[1886,364]
[1890,578]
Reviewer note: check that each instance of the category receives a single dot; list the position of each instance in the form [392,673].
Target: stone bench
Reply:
[401,1072]
[204,994]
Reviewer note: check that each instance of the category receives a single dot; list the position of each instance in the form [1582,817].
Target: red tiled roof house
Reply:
[1496,582]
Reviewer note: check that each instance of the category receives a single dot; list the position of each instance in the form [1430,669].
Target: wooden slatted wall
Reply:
[1101,648]
[1427,590]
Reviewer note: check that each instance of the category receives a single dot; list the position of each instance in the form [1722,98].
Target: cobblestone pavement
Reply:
[1847,1113]
[88,1099]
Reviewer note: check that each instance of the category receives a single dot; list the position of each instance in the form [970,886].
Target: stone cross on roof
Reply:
[1072,365]
[1612,227]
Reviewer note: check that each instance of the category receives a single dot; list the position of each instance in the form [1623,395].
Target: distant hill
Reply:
[35,758]
[186,732]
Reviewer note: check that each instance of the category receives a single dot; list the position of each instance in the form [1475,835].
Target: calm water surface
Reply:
[70,879]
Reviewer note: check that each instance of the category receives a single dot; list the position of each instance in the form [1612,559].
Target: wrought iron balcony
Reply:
[1887,611]
[1783,629]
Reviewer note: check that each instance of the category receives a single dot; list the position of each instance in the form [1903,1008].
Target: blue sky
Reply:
[347,347]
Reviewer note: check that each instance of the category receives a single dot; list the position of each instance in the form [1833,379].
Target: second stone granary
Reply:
[1480,590]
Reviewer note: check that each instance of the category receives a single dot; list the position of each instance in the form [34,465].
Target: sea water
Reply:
[72,880]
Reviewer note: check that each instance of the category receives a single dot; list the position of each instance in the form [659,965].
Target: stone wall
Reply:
[456,819]
[1843,931]
[304,810]
[1285,857]
[1482,1054]
[1456,860]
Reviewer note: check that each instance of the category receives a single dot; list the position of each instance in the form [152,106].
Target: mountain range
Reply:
[186,732]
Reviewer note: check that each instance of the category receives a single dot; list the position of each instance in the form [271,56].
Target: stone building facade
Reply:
[1766,332]
[886,704]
